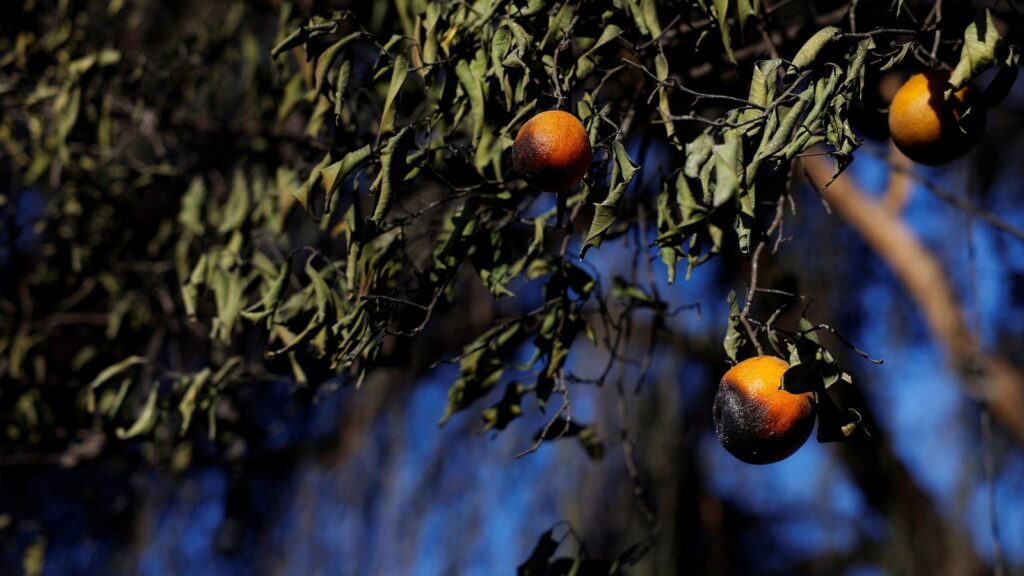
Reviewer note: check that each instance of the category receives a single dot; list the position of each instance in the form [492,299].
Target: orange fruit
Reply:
[552,151]
[930,129]
[756,420]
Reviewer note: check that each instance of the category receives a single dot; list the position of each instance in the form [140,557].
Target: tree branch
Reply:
[998,383]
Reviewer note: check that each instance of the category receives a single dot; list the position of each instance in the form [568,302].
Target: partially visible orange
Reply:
[930,129]
[756,420]
[552,151]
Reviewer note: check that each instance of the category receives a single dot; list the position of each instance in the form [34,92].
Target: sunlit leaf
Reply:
[399,71]
[728,163]
[474,91]
[116,370]
[392,161]
[326,59]
[813,46]
[722,15]
[334,174]
[146,420]
[978,52]
[187,406]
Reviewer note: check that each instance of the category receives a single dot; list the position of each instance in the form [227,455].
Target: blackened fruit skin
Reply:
[738,425]
[756,421]
[552,151]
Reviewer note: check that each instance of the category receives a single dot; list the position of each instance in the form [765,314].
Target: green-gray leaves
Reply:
[317,28]
[399,70]
[661,70]
[554,328]
[809,51]
[392,169]
[325,61]
[470,81]
[623,171]
[722,9]
[645,16]
[481,367]
[333,175]
[982,49]
[587,61]
[146,420]
[120,369]
[392,134]
[979,50]
[728,159]
[1001,85]
[735,337]
[790,108]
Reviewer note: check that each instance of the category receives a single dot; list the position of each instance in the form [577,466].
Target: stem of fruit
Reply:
[562,45]
[745,313]
[749,300]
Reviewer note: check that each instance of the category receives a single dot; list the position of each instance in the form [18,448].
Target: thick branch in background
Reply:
[993,379]
[897,192]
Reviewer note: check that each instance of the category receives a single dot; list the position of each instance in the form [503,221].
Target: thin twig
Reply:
[876,32]
[672,83]
[964,204]
[657,39]
[565,408]
[745,313]
[843,339]
[935,17]
[629,457]
[562,45]
[744,316]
